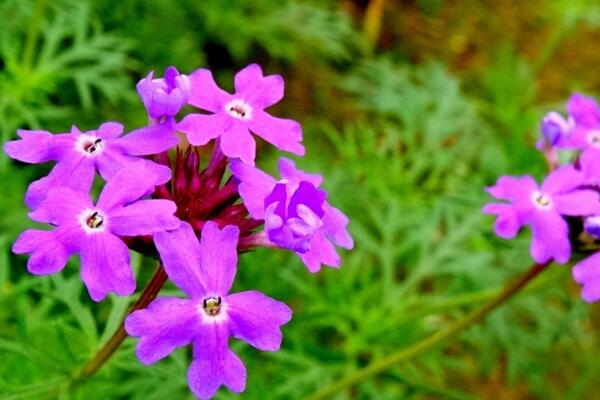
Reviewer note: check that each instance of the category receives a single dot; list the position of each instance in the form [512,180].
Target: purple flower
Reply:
[555,130]
[587,273]
[296,213]
[80,154]
[542,208]
[233,116]
[164,97]
[94,230]
[209,316]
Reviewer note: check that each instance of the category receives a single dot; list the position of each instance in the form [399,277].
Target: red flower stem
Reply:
[148,294]
[408,353]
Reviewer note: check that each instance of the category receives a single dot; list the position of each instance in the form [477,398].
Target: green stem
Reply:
[432,341]
[148,294]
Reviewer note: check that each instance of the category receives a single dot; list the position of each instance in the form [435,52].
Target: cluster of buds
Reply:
[196,218]
[564,212]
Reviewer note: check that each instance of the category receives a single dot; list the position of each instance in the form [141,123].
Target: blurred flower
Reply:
[555,130]
[296,214]
[94,230]
[80,154]
[543,208]
[205,272]
[234,116]
[587,274]
[164,97]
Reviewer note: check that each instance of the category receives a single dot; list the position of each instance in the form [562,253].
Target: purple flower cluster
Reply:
[564,212]
[158,204]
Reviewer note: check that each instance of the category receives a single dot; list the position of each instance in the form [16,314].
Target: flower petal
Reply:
[39,146]
[288,171]
[62,206]
[258,90]
[180,253]
[587,273]
[334,223]
[109,130]
[254,186]
[218,256]
[127,185]
[321,251]
[75,172]
[151,139]
[256,319]
[550,238]
[584,110]
[562,180]
[112,160]
[577,203]
[214,364]
[49,250]
[507,223]
[144,217]
[166,324]
[590,165]
[105,266]
[205,93]
[201,128]
[237,142]
[513,189]
[285,134]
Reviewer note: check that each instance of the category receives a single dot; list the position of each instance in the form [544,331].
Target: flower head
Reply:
[555,130]
[234,116]
[94,230]
[79,154]
[166,96]
[210,315]
[296,212]
[543,208]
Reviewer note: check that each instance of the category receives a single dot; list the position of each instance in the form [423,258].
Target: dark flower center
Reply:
[238,110]
[211,305]
[541,200]
[92,146]
[95,220]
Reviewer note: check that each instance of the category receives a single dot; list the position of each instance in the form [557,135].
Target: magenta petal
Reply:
[562,180]
[550,238]
[112,160]
[237,142]
[513,189]
[166,324]
[62,206]
[590,165]
[127,185]
[321,252]
[261,92]
[334,223]
[584,110]
[76,173]
[507,222]
[110,130]
[144,217]
[180,253]
[205,93]
[152,139]
[49,250]
[218,249]
[285,134]
[577,203]
[201,128]
[587,273]
[256,319]
[39,146]
[214,364]
[105,266]
[288,171]
[254,187]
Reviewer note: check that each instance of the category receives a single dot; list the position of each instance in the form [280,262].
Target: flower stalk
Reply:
[149,293]
[435,340]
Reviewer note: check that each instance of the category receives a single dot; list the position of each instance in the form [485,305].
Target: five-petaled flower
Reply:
[166,96]
[233,116]
[209,316]
[94,230]
[80,154]
[296,212]
[543,208]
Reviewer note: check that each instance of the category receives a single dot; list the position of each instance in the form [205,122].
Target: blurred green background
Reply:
[409,109]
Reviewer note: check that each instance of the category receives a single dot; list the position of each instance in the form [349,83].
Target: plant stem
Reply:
[432,341]
[148,294]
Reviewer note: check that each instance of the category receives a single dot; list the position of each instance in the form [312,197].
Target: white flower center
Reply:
[89,145]
[239,109]
[92,221]
[593,138]
[541,200]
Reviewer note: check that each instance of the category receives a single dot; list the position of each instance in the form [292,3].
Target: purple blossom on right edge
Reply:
[205,271]
[296,212]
